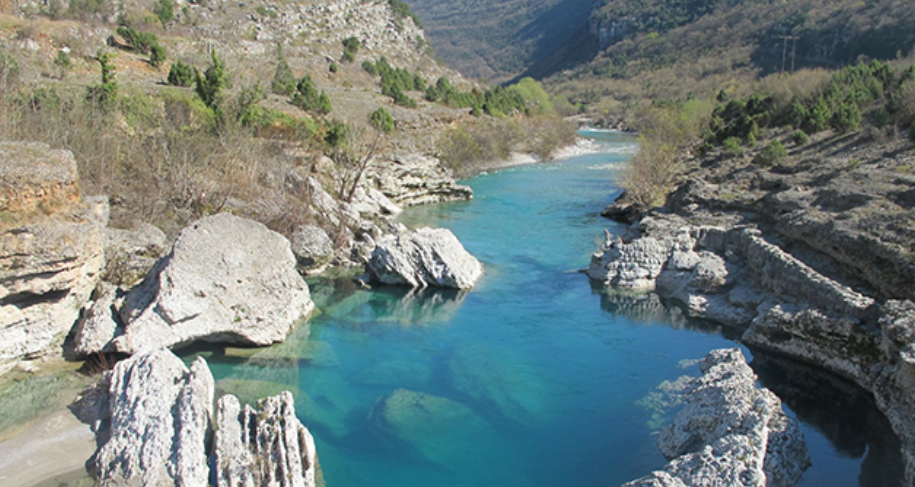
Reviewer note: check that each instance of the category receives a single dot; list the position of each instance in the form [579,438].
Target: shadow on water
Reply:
[843,412]
[650,309]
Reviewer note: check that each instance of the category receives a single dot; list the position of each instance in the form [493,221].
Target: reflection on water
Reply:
[843,412]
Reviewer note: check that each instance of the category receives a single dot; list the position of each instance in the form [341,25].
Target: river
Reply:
[533,378]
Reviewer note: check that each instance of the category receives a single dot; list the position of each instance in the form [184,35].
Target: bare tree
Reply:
[354,153]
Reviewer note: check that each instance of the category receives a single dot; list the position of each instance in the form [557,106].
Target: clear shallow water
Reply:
[531,379]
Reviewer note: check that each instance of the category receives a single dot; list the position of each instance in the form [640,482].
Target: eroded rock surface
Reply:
[153,422]
[51,249]
[226,279]
[729,432]
[415,179]
[263,446]
[424,257]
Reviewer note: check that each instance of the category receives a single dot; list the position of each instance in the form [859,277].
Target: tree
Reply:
[354,153]
[817,117]
[283,80]
[214,80]
[157,55]
[165,11]
[181,74]
[382,120]
[105,93]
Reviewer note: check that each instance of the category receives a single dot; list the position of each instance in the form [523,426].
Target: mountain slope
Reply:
[503,39]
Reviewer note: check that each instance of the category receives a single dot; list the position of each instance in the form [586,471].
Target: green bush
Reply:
[817,117]
[309,99]
[846,117]
[138,40]
[181,74]
[369,68]
[333,67]
[157,55]
[382,120]
[211,84]
[283,82]
[165,11]
[105,94]
[800,137]
[731,147]
[771,154]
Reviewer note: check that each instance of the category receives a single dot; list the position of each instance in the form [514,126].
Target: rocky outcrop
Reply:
[729,432]
[424,257]
[732,275]
[130,254]
[153,425]
[226,279]
[51,249]
[415,179]
[152,418]
[263,446]
[312,247]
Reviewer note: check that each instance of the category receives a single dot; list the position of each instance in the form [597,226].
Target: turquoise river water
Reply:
[534,378]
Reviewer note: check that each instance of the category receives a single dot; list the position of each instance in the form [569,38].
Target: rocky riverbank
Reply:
[811,259]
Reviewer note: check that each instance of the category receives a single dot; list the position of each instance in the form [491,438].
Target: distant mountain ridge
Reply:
[499,40]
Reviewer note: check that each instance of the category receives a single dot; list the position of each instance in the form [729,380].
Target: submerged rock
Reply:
[226,279]
[729,432]
[424,257]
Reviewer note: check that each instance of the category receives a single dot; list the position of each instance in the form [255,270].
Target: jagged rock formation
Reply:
[263,446]
[226,279]
[729,432]
[154,422]
[312,247]
[415,179]
[152,417]
[424,257]
[51,249]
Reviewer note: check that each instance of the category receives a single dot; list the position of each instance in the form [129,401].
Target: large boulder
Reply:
[153,425]
[51,249]
[226,279]
[424,257]
[312,247]
[729,432]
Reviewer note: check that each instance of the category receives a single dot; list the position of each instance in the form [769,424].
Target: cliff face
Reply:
[811,259]
[51,249]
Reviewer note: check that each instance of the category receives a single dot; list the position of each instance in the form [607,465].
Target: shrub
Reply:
[800,137]
[771,154]
[138,40]
[105,94]
[309,99]
[165,11]
[817,117]
[731,147]
[157,55]
[333,67]
[214,80]
[181,74]
[382,120]
[63,63]
[283,82]
[846,116]
[369,68]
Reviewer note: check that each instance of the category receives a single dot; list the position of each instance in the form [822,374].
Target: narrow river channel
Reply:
[533,378]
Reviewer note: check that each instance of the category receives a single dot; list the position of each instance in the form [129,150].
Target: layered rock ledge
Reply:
[424,257]
[731,274]
[153,419]
[51,249]
[729,432]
